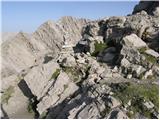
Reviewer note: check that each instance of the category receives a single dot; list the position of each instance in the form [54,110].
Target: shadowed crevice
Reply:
[25,89]
[31,97]
[5,115]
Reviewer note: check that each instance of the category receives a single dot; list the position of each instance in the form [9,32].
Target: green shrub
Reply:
[29,108]
[142,50]
[99,47]
[7,94]
[73,73]
[130,114]
[43,115]
[149,58]
[137,93]
[55,74]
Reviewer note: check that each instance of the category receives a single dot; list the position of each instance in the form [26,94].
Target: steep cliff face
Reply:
[76,68]
[50,36]
[72,28]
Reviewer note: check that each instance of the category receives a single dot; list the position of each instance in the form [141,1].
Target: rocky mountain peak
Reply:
[22,35]
[82,69]
[67,18]
[48,23]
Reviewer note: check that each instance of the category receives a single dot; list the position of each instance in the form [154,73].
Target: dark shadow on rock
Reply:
[5,116]
[33,102]
[79,48]
[113,114]
[49,88]
[47,59]
[25,89]
[32,98]
[61,111]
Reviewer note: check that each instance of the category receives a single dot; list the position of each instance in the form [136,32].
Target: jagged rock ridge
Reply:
[76,68]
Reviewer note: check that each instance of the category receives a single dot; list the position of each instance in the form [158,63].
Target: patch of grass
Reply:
[137,93]
[137,106]
[7,94]
[19,78]
[29,108]
[141,75]
[43,115]
[151,77]
[149,58]
[142,50]
[73,73]
[55,74]
[130,114]
[99,47]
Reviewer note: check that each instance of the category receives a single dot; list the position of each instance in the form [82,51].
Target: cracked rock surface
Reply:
[82,69]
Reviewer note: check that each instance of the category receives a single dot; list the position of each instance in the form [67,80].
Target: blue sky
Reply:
[27,16]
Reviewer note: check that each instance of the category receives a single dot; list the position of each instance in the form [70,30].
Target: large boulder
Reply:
[131,54]
[152,53]
[67,60]
[91,29]
[116,21]
[62,88]
[134,41]
[148,6]
[39,78]
[49,85]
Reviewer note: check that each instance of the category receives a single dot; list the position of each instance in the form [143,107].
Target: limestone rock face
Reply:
[61,89]
[13,98]
[17,54]
[40,78]
[24,50]
[20,102]
[49,85]
[72,28]
[50,35]
[81,69]
[134,41]
[66,31]
[152,53]
[131,54]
